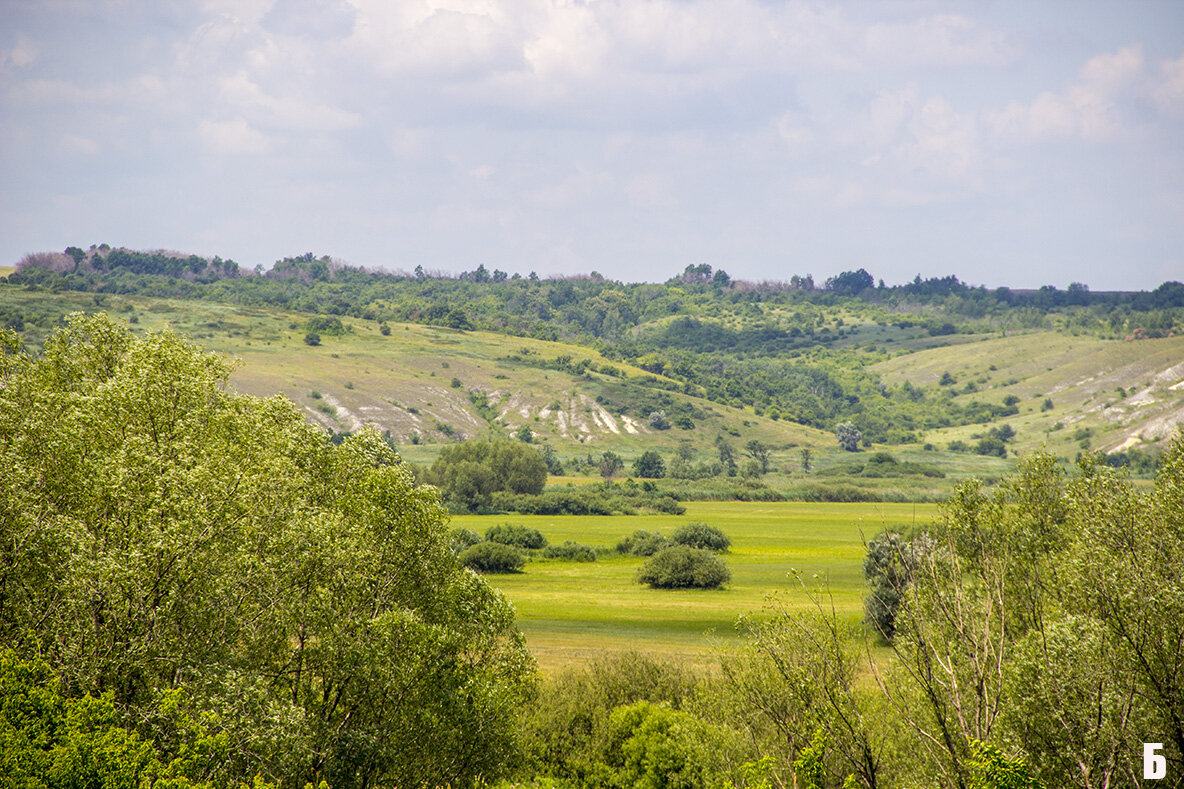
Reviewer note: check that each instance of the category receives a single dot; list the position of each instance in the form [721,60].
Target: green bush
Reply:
[680,567]
[570,552]
[469,473]
[461,539]
[653,746]
[517,535]
[492,557]
[642,543]
[649,465]
[700,535]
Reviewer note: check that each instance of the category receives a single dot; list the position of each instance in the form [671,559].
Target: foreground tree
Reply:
[158,533]
[1046,619]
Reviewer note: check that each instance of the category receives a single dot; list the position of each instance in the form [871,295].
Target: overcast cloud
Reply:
[1020,143]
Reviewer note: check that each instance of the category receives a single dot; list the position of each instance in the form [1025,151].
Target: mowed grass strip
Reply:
[570,611]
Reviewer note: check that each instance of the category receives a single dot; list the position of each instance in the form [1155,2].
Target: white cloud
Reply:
[234,137]
[22,54]
[287,113]
[1168,92]
[423,38]
[939,40]
[650,191]
[1094,107]
[77,145]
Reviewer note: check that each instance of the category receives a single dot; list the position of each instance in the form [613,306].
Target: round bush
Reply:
[570,552]
[460,539]
[680,567]
[642,543]
[700,535]
[517,535]
[492,557]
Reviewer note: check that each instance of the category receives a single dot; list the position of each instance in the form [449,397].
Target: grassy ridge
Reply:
[1116,390]
[570,611]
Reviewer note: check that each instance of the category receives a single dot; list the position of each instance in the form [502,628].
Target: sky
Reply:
[1008,143]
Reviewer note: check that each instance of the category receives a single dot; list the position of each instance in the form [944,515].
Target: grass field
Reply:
[571,611]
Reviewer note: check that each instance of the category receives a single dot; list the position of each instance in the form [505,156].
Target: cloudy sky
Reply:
[1020,143]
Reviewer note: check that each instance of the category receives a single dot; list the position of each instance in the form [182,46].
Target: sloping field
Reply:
[1124,393]
[421,382]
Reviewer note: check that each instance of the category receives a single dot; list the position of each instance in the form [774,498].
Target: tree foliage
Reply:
[701,535]
[160,533]
[469,473]
[649,465]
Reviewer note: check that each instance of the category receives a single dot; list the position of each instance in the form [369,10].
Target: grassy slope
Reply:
[1081,375]
[570,611]
[366,378]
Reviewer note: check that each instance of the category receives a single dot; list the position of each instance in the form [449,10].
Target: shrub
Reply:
[325,324]
[492,557]
[649,465]
[469,473]
[517,535]
[312,338]
[570,552]
[668,505]
[849,436]
[642,543]
[700,535]
[681,567]
[461,539]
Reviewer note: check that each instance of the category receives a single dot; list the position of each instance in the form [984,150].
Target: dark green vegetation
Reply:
[1037,641]
[242,596]
[470,473]
[186,554]
[492,557]
[788,351]
[700,535]
[683,567]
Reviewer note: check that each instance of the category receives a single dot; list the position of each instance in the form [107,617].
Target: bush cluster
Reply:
[700,535]
[460,539]
[681,567]
[642,543]
[492,557]
[570,551]
[516,535]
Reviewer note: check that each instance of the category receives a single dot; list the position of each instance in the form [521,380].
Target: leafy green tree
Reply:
[649,465]
[849,436]
[609,464]
[653,747]
[757,450]
[158,532]
[517,535]
[642,543]
[727,455]
[470,472]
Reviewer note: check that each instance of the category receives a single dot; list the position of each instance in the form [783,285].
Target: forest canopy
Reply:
[184,552]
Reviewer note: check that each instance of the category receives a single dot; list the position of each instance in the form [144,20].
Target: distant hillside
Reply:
[585,360]
[1075,392]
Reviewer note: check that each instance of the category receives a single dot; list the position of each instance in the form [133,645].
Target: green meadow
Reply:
[570,611]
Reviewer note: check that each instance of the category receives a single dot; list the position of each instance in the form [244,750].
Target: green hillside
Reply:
[954,381]
[1105,395]
[434,384]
